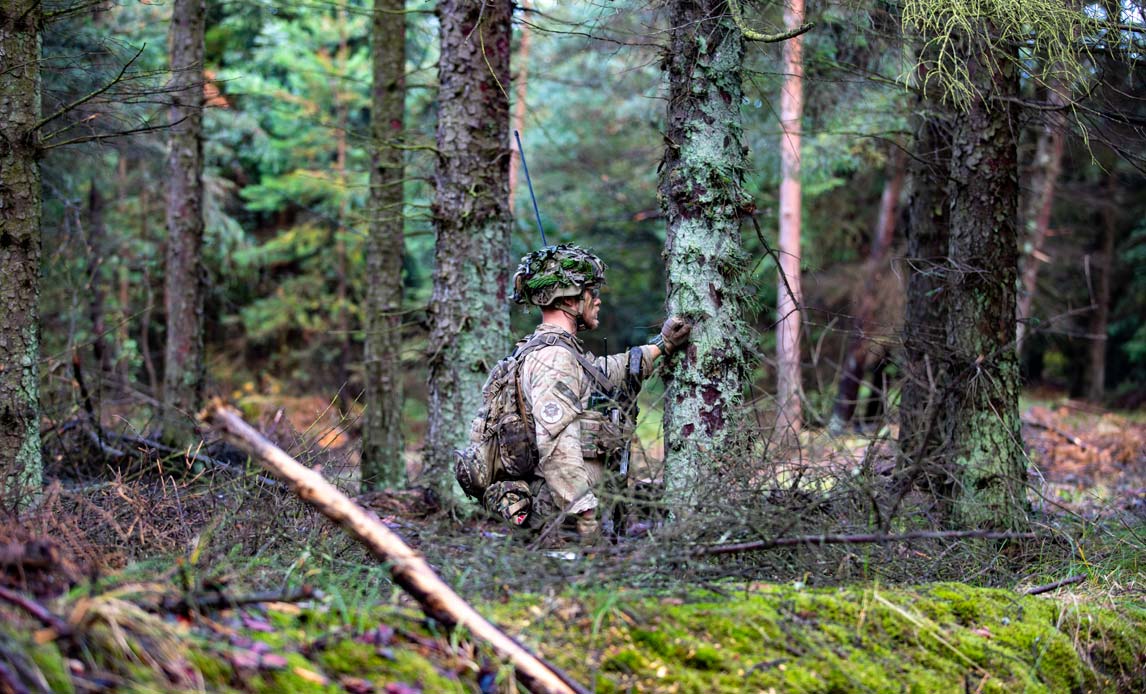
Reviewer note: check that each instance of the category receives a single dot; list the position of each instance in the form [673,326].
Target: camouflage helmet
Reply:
[556,271]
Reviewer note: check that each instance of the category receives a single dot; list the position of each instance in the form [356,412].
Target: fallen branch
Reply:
[1039,590]
[1055,430]
[218,600]
[198,457]
[36,610]
[859,539]
[34,554]
[407,568]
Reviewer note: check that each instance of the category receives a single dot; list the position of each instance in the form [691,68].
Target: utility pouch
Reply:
[601,439]
[516,450]
[473,470]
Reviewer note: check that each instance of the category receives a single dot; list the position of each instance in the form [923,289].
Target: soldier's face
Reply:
[592,303]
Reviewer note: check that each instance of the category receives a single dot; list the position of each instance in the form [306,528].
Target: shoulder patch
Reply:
[549,412]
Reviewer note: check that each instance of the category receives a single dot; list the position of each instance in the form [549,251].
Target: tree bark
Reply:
[985,455]
[856,353]
[184,368]
[789,295]
[702,195]
[1040,201]
[21,466]
[921,416]
[469,310]
[383,465]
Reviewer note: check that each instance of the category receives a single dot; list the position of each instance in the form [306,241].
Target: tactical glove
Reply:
[674,334]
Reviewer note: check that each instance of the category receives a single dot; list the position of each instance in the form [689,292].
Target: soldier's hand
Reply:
[675,333]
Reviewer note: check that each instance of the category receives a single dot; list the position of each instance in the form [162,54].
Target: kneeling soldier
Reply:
[554,417]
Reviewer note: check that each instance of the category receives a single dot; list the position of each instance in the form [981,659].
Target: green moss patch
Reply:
[943,637]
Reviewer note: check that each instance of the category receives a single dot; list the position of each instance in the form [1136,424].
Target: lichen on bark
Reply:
[21,466]
[702,196]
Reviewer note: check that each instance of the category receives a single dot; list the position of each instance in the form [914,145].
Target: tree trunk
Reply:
[184,369]
[1102,266]
[20,463]
[789,414]
[1040,202]
[469,310]
[921,415]
[702,197]
[985,455]
[855,356]
[382,445]
[96,291]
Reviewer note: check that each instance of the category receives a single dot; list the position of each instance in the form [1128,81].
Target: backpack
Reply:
[503,440]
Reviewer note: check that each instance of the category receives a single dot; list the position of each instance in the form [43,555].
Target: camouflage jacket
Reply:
[556,391]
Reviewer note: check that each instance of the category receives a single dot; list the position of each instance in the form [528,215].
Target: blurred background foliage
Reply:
[287,138]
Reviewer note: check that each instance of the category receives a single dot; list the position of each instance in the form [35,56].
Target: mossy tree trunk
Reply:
[986,453]
[21,468]
[184,368]
[469,309]
[703,199]
[382,446]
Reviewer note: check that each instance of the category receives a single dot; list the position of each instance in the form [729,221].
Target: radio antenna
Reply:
[529,182]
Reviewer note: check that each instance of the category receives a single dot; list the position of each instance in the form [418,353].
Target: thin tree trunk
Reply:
[341,260]
[1102,266]
[789,295]
[985,450]
[520,91]
[855,356]
[383,465]
[21,466]
[469,309]
[702,195]
[96,291]
[184,369]
[1039,203]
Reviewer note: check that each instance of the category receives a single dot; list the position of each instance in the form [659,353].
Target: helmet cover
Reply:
[552,272]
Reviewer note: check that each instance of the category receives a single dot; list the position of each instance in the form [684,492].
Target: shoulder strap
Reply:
[551,340]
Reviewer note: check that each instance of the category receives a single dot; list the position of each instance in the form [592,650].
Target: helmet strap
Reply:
[578,313]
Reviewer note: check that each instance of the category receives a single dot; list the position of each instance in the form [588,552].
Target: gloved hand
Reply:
[674,334]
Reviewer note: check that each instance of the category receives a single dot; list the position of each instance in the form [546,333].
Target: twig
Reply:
[1070,580]
[860,539]
[41,613]
[407,568]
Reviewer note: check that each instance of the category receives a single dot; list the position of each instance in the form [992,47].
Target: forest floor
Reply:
[222,582]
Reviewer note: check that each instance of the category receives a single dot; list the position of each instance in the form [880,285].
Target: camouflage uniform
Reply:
[572,441]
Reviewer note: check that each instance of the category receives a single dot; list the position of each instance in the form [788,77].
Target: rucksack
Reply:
[503,440]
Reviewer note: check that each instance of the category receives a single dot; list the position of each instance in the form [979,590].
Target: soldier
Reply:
[569,398]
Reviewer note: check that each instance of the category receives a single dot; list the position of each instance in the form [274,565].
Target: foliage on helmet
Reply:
[556,271]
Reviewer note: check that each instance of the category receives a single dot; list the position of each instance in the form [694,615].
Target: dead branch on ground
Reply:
[407,568]
[756,545]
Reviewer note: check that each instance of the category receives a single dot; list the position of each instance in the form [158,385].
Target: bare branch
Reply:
[84,99]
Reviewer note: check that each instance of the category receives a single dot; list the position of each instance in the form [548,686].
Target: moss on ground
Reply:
[944,637]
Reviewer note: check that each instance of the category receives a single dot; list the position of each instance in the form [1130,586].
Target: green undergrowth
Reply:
[944,637]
